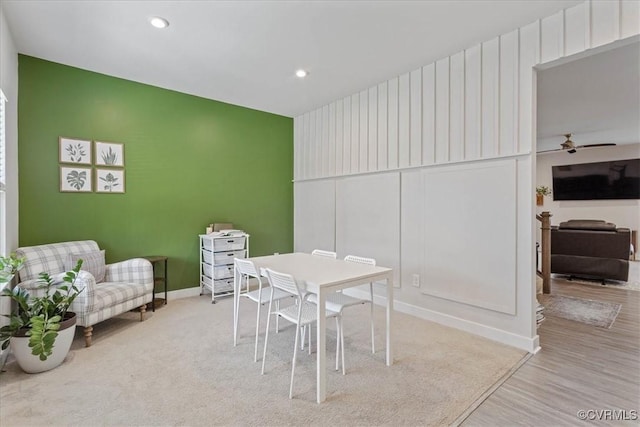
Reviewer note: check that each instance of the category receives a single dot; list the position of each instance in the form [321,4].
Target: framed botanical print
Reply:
[77,151]
[109,154]
[75,179]
[109,180]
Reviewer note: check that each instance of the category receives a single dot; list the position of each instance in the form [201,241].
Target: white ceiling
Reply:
[246,52]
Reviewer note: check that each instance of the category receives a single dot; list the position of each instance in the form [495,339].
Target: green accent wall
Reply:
[189,161]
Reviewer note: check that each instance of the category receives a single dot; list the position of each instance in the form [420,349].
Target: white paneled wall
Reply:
[475,106]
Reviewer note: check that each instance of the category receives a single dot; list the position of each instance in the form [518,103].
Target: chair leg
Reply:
[303,332]
[293,362]
[342,343]
[277,317]
[143,310]
[88,332]
[373,345]
[310,332]
[266,339]
[337,343]
[255,352]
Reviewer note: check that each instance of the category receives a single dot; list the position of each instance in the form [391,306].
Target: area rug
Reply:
[596,313]
[179,367]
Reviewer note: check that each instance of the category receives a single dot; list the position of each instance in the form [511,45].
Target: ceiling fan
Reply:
[570,147]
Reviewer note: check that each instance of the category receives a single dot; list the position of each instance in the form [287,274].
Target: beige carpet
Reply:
[179,367]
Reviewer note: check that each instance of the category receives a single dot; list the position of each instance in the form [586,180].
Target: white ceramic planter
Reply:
[32,364]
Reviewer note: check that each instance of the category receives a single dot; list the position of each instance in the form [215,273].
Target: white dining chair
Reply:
[301,314]
[338,301]
[328,254]
[247,270]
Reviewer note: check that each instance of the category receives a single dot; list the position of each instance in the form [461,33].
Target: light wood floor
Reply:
[580,367]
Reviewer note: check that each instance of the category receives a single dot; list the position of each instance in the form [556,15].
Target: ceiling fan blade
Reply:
[605,144]
[550,151]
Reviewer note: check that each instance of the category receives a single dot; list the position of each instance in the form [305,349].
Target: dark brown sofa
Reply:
[591,249]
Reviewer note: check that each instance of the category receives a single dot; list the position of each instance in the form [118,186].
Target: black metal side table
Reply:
[155,260]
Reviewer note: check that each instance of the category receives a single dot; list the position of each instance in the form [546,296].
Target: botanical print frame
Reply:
[109,154]
[109,180]
[75,179]
[72,150]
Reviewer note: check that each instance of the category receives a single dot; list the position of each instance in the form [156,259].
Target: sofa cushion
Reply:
[93,262]
[111,293]
[587,224]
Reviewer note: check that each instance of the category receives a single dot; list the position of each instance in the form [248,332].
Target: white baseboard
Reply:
[180,293]
[530,345]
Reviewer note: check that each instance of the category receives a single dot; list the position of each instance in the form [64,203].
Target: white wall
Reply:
[623,213]
[476,107]
[9,85]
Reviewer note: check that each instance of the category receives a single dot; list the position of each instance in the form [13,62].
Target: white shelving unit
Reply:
[216,262]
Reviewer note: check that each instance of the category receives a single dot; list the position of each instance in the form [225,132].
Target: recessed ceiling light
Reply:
[301,73]
[158,22]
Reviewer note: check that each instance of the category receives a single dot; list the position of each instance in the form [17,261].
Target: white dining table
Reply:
[322,275]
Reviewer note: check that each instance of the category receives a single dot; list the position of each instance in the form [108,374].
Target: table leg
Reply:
[389,320]
[166,283]
[321,338]
[236,277]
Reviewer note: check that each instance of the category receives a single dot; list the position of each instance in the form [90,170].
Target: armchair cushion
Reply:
[93,262]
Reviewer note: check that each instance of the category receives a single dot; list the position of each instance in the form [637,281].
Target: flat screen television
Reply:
[617,179]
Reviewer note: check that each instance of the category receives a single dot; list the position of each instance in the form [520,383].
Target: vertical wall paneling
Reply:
[383,133]
[355,132]
[552,37]
[373,129]
[473,102]
[317,164]
[577,28]
[442,110]
[508,93]
[429,114]
[363,144]
[339,135]
[346,143]
[331,170]
[415,132]
[324,152]
[306,132]
[629,18]
[490,97]
[403,120]
[392,160]
[311,146]
[605,22]
[456,118]
[529,56]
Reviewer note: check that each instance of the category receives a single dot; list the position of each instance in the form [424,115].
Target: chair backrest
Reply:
[247,267]
[328,254]
[283,281]
[360,260]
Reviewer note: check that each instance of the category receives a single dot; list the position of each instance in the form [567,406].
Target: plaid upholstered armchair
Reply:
[108,290]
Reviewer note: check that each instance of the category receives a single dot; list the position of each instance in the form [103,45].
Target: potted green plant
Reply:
[541,191]
[41,329]
[9,266]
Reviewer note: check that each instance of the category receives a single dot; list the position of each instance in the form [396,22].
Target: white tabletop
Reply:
[314,272]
